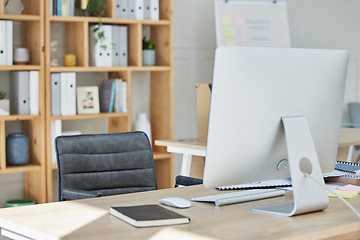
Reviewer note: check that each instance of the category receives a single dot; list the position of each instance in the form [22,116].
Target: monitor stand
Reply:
[302,157]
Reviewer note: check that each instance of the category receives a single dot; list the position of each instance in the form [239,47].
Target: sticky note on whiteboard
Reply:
[228,32]
[230,43]
[227,20]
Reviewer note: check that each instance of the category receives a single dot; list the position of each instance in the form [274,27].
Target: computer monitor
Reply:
[254,90]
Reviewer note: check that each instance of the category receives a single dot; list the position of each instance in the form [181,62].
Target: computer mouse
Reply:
[175,202]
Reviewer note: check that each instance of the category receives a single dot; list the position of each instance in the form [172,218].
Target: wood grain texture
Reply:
[90,219]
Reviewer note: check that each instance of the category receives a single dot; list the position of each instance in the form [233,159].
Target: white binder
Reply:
[136,9]
[55,94]
[68,94]
[9,42]
[34,92]
[19,92]
[121,8]
[116,47]
[56,126]
[2,42]
[123,45]
[108,51]
[100,57]
[151,9]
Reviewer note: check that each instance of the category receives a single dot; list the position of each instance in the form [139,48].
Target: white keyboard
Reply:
[240,196]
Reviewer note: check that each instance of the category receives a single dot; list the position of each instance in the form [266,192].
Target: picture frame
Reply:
[88,100]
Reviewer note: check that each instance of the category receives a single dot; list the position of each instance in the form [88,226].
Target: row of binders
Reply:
[6,42]
[113,96]
[63,94]
[111,51]
[24,92]
[137,9]
[129,9]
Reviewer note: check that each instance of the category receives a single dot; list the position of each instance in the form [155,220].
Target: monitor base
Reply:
[308,196]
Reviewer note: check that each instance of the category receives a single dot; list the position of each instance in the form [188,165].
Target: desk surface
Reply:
[90,219]
[349,136]
[183,143]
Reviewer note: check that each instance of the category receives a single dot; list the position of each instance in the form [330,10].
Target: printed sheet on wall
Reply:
[251,23]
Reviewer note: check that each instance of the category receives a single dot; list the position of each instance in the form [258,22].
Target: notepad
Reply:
[148,215]
[347,167]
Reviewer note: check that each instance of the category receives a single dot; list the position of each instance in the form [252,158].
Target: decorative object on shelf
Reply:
[4,104]
[148,52]
[143,124]
[88,100]
[69,60]
[54,49]
[97,8]
[17,149]
[21,56]
[13,6]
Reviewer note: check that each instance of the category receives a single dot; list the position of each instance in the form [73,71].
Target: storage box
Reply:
[203,99]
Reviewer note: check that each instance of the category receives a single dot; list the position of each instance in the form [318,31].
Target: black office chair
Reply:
[187,181]
[95,165]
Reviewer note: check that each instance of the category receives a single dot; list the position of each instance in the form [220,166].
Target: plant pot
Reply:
[4,107]
[149,57]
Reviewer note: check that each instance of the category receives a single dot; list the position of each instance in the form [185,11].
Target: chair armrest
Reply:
[187,181]
[74,194]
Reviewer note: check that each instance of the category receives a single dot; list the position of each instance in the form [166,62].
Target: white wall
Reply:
[313,24]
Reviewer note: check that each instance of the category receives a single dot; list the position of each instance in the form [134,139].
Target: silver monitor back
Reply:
[252,89]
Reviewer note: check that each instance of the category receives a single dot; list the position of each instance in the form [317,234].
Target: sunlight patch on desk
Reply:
[44,225]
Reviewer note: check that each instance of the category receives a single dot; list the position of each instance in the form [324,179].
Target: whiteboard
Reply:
[251,23]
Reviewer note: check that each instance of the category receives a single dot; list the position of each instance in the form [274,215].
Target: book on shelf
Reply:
[148,215]
[113,96]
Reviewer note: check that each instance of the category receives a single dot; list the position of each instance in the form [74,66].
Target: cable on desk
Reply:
[333,192]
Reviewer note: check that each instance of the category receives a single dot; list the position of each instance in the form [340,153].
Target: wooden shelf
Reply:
[19,169]
[20,68]
[90,116]
[76,41]
[108,20]
[20,17]
[111,69]
[19,117]
[33,38]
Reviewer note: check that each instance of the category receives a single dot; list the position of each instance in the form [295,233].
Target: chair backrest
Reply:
[91,165]
[354,112]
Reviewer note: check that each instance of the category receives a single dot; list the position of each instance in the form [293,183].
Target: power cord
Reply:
[333,192]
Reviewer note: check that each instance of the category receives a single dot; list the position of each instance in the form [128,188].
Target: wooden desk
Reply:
[188,147]
[348,138]
[90,219]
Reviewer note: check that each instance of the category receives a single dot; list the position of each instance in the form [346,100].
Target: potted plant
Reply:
[97,8]
[4,104]
[148,52]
